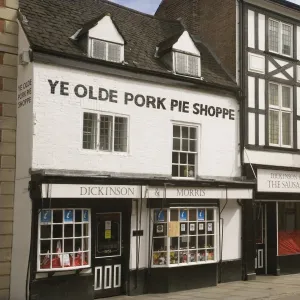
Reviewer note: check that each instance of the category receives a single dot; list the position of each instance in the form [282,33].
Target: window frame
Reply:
[51,239]
[112,140]
[215,248]
[175,52]
[196,152]
[280,109]
[280,42]
[91,47]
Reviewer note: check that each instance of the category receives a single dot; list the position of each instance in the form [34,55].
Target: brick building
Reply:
[8,85]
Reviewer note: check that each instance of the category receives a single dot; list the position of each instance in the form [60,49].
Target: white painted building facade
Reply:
[147,167]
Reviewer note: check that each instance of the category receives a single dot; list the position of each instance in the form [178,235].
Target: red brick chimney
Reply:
[214,21]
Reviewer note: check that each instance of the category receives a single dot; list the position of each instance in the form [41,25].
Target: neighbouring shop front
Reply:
[103,239]
[277,221]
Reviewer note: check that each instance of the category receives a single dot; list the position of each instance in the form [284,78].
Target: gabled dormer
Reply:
[102,39]
[181,55]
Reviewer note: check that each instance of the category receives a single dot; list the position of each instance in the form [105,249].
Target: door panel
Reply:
[109,258]
[260,261]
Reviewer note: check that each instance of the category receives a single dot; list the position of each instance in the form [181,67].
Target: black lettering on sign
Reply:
[128,97]
[64,88]
[103,94]
[52,85]
[139,100]
[80,91]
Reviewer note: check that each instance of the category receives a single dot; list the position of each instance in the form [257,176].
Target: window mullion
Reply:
[113,135]
[98,132]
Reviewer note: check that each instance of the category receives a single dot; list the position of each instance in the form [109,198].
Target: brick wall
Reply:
[8,83]
[214,21]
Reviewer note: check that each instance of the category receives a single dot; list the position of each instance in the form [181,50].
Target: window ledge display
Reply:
[183,237]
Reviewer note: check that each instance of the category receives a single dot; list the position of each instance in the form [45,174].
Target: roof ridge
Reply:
[136,11]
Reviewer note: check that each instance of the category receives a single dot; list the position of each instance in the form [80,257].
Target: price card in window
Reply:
[68,215]
[201,226]
[46,216]
[183,215]
[85,216]
[209,227]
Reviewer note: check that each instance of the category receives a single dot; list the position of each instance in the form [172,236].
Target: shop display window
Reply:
[184,236]
[64,238]
[288,228]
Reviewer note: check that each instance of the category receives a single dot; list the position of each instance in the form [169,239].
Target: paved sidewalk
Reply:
[264,287]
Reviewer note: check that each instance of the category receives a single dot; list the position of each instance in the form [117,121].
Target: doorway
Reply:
[111,241]
[260,236]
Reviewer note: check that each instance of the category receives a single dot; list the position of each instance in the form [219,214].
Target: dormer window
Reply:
[105,50]
[187,64]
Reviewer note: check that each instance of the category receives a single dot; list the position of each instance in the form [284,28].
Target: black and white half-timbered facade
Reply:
[270,47]
[258,41]
[128,173]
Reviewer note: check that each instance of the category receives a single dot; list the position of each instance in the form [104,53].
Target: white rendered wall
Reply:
[232,230]
[186,44]
[57,142]
[143,241]
[106,30]
[22,201]
[21,240]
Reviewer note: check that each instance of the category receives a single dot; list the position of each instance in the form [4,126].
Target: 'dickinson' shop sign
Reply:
[278,181]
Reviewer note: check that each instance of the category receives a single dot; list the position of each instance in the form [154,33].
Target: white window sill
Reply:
[99,152]
[64,269]
[185,264]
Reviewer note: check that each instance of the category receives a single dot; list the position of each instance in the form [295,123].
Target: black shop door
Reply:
[260,261]
[111,259]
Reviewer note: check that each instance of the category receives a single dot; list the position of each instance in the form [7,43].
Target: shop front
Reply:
[278,221]
[102,239]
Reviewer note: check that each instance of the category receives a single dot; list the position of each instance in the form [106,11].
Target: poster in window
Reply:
[68,215]
[85,215]
[182,227]
[192,227]
[46,216]
[201,215]
[66,260]
[201,226]
[173,229]
[159,228]
[160,215]
[209,227]
[183,215]
[108,234]
[107,225]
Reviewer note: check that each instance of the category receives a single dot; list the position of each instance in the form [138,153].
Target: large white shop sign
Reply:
[134,192]
[278,181]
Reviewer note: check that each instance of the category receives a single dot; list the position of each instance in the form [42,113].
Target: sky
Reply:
[150,6]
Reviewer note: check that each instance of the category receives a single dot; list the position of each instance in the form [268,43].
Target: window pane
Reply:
[286,96]
[45,231]
[185,145]
[273,94]
[193,146]
[120,134]
[274,127]
[273,36]
[286,39]
[105,132]
[192,133]
[181,66]
[89,131]
[175,170]
[176,131]
[98,49]
[185,132]
[175,156]
[183,158]
[286,129]
[193,65]
[176,144]
[114,52]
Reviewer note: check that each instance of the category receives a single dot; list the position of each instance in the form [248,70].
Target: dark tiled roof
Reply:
[51,23]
